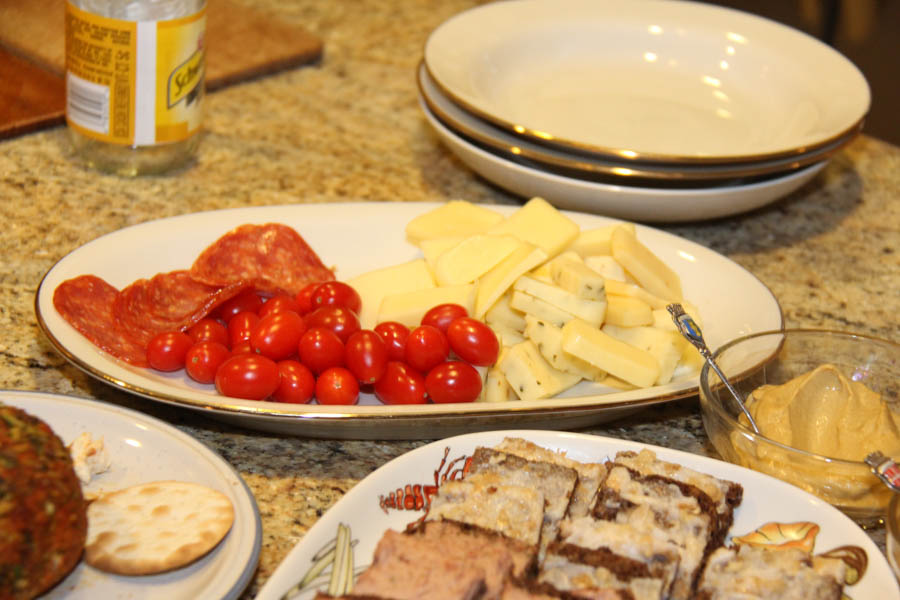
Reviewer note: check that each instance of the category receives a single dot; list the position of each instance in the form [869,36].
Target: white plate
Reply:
[648,204]
[358,237]
[582,165]
[765,500]
[145,449]
[647,79]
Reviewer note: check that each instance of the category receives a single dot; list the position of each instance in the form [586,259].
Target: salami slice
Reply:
[272,258]
[167,302]
[86,302]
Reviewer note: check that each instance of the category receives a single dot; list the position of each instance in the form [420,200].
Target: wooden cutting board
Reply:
[243,43]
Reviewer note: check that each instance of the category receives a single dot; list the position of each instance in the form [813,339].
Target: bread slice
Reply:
[726,495]
[781,574]
[555,482]
[589,474]
[682,512]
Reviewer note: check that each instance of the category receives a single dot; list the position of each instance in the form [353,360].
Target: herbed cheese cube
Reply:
[579,279]
[606,266]
[548,339]
[498,280]
[541,309]
[530,376]
[539,223]
[617,358]
[455,217]
[618,288]
[501,313]
[646,268]
[592,311]
[507,336]
[496,387]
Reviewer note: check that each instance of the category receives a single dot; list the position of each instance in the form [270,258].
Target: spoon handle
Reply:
[885,469]
[691,332]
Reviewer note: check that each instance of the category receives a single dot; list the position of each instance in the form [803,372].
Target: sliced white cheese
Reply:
[530,376]
[495,282]
[606,266]
[548,339]
[593,242]
[627,311]
[433,248]
[592,311]
[539,223]
[455,217]
[664,345]
[647,269]
[617,358]
[409,308]
[373,286]
[473,257]
[496,387]
[619,288]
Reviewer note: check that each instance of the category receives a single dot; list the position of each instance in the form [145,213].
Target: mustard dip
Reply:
[824,413]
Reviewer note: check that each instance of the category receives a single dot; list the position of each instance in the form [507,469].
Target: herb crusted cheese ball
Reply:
[43,522]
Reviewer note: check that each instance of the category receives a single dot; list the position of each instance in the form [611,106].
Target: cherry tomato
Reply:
[209,330]
[394,335]
[166,350]
[304,298]
[249,376]
[400,384]
[338,319]
[366,355]
[453,381]
[241,326]
[242,348]
[337,385]
[426,347]
[203,360]
[277,304]
[473,341]
[246,301]
[443,314]
[277,335]
[320,349]
[336,293]
[297,383]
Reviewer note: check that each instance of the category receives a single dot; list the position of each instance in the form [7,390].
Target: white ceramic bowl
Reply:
[660,80]
[647,204]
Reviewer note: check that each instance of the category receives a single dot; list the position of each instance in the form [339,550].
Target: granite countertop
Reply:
[349,128]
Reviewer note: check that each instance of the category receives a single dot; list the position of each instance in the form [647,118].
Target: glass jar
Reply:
[135,74]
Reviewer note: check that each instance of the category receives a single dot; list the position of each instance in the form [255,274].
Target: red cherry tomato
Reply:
[241,326]
[400,384]
[473,341]
[297,383]
[321,349]
[203,359]
[304,298]
[242,348]
[338,319]
[443,314]
[248,376]
[426,347]
[166,351]
[209,330]
[366,355]
[453,381]
[277,304]
[277,335]
[394,335]
[336,293]
[337,385]
[246,301]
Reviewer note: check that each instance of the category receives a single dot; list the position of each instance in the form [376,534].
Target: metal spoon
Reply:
[691,331]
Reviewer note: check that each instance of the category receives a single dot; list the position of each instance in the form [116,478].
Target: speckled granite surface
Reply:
[349,128]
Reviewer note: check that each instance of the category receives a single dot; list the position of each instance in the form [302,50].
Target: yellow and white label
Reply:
[134,82]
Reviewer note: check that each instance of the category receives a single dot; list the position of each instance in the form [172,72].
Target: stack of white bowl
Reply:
[651,110]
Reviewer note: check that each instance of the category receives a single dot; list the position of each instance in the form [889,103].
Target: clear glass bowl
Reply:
[775,357]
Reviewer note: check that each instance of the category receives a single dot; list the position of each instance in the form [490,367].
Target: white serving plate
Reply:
[358,237]
[581,165]
[765,500]
[647,204]
[144,449]
[647,80]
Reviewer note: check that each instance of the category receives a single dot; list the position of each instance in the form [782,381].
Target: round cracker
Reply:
[155,527]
